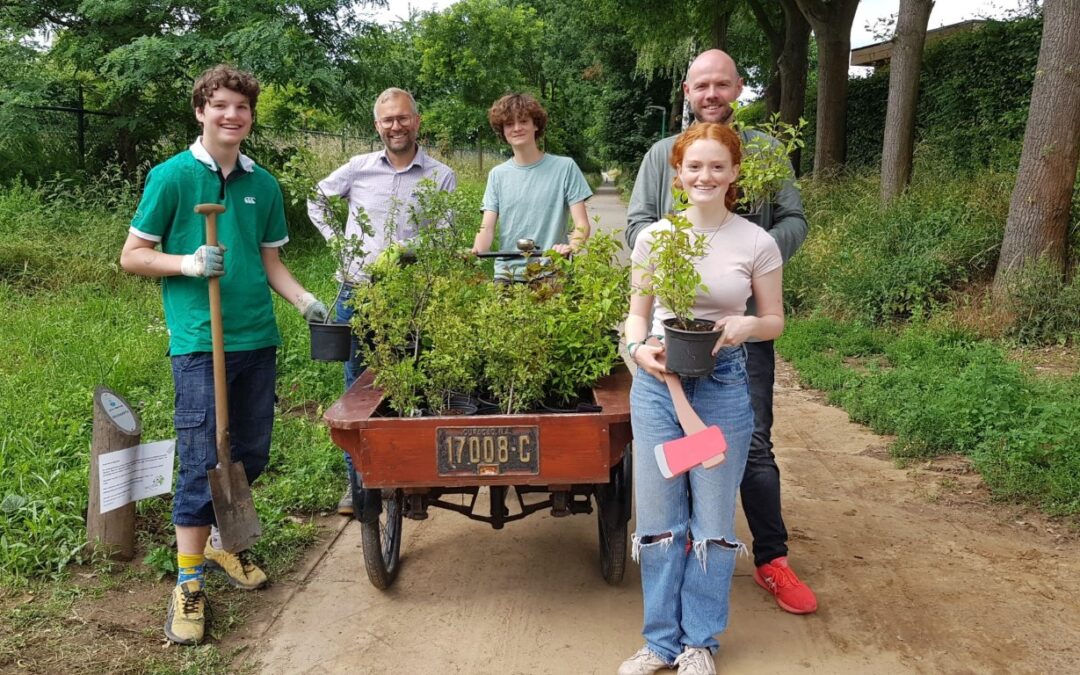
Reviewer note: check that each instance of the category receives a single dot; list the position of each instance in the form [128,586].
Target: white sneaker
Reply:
[696,661]
[643,662]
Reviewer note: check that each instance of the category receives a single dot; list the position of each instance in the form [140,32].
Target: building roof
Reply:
[879,53]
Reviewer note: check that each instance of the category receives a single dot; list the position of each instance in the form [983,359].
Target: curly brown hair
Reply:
[223,75]
[515,106]
[709,131]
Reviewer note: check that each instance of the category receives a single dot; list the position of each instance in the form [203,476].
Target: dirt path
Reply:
[916,572]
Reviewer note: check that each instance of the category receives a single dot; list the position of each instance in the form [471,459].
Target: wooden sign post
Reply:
[116,427]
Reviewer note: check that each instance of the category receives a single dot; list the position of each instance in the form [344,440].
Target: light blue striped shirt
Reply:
[370,182]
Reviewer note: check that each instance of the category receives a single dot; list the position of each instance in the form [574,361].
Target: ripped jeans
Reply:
[686,592]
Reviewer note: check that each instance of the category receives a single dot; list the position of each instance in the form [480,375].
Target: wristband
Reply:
[631,348]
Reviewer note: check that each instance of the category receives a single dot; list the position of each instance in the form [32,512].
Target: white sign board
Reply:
[136,473]
[120,414]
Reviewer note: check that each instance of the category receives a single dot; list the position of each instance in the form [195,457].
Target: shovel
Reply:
[234,509]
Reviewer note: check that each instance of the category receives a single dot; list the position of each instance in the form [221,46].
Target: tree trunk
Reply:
[773,93]
[116,427]
[831,133]
[904,68]
[793,66]
[678,106]
[831,21]
[720,24]
[774,34]
[1039,210]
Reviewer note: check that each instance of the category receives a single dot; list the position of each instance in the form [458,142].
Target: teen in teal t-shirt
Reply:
[532,202]
[528,196]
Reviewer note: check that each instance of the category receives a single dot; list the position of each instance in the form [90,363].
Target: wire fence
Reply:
[45,140]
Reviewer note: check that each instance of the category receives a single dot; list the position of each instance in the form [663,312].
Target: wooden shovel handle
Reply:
[217,338]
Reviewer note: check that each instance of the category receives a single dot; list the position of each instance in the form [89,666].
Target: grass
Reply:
[73,320]
[941,389]
[892,317]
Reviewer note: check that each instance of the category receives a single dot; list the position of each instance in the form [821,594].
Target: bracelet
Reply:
[631,348]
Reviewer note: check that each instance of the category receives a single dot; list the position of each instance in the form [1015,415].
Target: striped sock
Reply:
[190,566]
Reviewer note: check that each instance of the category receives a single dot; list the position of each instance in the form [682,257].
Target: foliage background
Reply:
[974,90]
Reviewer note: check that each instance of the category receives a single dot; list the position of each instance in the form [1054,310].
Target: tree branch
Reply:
[774,34]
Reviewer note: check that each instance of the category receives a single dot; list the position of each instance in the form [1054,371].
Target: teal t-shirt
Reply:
[533,202]
[254,218]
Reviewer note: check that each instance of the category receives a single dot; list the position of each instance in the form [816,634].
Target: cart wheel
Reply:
[381,540]
[612,516]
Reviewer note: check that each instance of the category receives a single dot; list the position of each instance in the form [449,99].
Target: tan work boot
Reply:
[345,506]
[185,623]
[238,567]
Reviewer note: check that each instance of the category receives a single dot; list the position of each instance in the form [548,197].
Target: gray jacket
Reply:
[651,200]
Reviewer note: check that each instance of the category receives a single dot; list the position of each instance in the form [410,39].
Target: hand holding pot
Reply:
[652,358]
[736,330]
[311,308]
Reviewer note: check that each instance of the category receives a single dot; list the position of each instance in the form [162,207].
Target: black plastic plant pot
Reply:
[689,352]
[330,341]
[461,404]
[754,217]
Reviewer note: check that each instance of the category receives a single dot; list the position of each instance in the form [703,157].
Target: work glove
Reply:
[311,309]
[206,261]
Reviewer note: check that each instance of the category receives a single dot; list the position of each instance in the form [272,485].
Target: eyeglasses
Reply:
[388,122]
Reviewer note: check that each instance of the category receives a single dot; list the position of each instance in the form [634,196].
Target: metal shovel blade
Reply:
[237,521]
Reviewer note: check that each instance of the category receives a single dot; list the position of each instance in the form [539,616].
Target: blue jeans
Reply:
[354,367]
[250,377]
[686,593]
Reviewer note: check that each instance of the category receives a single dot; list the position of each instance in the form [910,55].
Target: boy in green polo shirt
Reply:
[251,232]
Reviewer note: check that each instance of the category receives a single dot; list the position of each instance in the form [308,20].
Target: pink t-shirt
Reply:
[737,251]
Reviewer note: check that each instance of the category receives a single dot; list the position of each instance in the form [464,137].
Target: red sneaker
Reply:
[791,594]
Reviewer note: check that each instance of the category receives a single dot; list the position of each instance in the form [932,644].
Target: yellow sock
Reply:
[190,566]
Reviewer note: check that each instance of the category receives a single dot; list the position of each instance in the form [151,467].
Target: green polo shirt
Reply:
[254,218]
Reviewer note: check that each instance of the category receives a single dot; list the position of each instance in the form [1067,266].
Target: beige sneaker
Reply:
[238,567]
[696,661]
[643,662]
[185,623]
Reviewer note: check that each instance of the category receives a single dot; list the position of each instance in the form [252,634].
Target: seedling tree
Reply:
[765,163]
[300,182]
[672,276]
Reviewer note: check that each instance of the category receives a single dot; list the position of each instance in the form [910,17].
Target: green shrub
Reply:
[1045,307]
[974,90]
[878,263]
[73,320]
[941,390]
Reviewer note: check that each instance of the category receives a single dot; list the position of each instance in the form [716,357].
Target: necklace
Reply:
[719,227]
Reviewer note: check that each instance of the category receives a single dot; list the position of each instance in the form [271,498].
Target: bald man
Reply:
[712,84]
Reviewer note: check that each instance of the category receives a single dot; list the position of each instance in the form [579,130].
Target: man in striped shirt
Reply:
[382,185]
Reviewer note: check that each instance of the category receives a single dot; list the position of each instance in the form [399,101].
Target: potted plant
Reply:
[675,281]
[475,346]
[766,163]
[331,340]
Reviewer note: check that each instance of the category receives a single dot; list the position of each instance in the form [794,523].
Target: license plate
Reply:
[487,451]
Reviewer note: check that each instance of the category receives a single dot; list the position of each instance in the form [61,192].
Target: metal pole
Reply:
[80,118]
